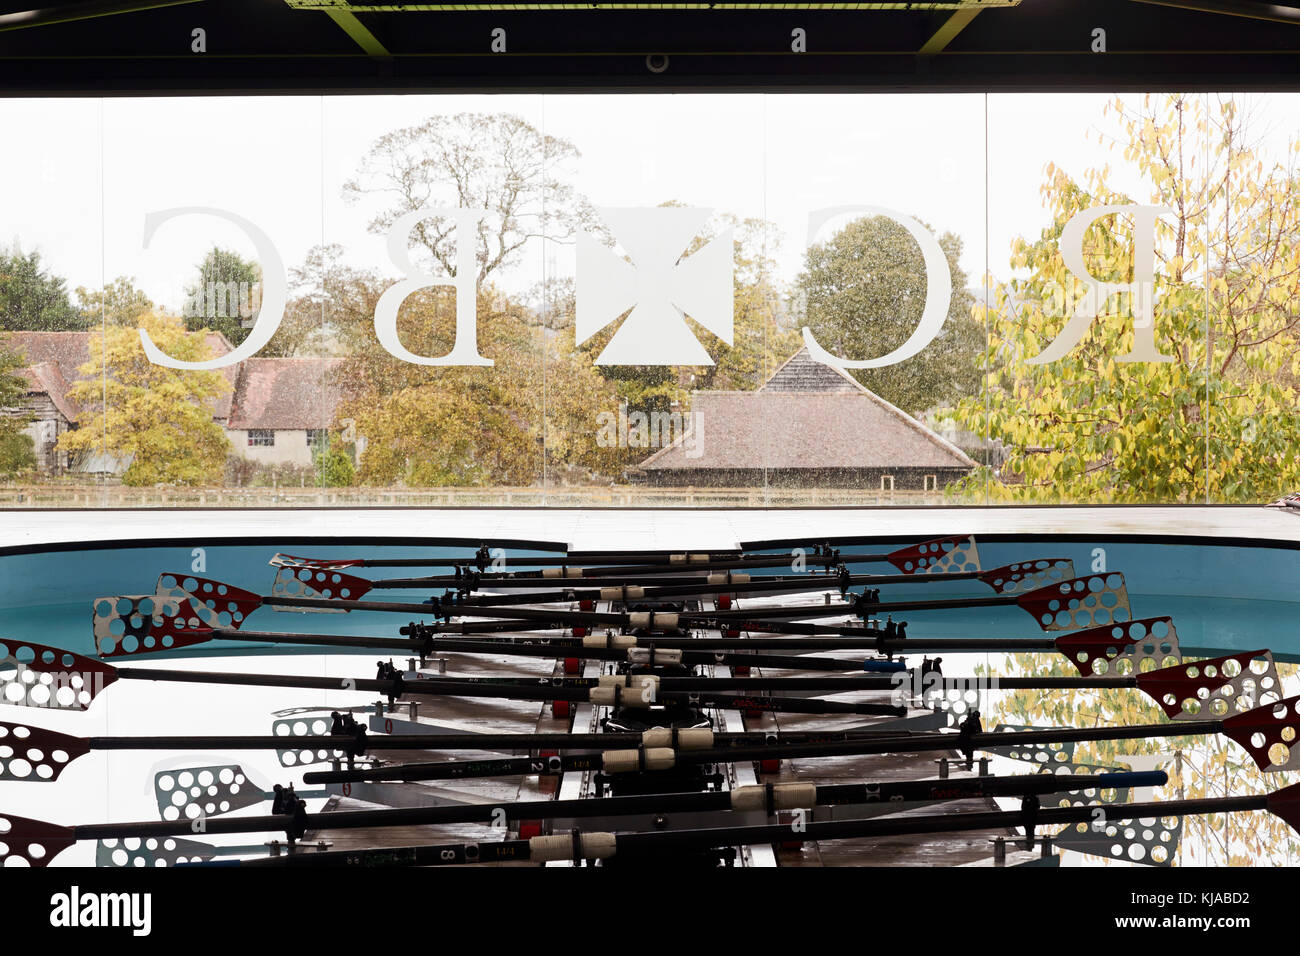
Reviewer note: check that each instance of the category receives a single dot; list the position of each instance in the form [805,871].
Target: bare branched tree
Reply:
[493,161]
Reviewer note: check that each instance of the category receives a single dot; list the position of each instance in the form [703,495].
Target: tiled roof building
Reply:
[810,424]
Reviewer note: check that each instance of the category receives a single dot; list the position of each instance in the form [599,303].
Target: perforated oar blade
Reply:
[1089,601]
[35,754]
[314,564]
[34,842]
[1053,755]
[195,792]
[320,584]
[1028,575]
[1151,841]
[1216,687]
[304,727]
[151,852]
[144,623]
[1122,648]
[229,605]
[1269,735]
[938,556]
[33,675]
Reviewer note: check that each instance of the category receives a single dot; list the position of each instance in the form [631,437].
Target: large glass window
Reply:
[712,299]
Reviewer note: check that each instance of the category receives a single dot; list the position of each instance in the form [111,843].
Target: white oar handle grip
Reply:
[563,572]
[583,846]
[610,641]
[783,796]
[633,761]
[615,642]
[726,577]
[687,738]
[625,593]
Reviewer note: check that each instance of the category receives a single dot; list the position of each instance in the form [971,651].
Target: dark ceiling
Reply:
[332,45]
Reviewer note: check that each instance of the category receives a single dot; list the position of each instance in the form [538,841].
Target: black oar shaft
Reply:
[948,741]
[838,794]
[639,844]
[733,618]
[469,688]
[652,586]
[651,844]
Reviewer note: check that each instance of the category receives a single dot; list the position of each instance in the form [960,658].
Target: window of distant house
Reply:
[261,438]
[931,482]
[317,438]
[886,482]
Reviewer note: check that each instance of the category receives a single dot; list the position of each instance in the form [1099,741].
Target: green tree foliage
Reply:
[119,303]
[863,292]
[334,465]
[161,416]
[1220,421]
[535,409]
[32,299]
[17,452]
[226,295]
[463,425]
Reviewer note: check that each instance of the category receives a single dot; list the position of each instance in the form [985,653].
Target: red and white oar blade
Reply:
[24,841]
[219,603]
[1028,575]
[1269,734]
[1285,804]
[1216,687]
[315,564]
[33,675]
[1128,647]
[321,585]
[35,754]
[143,623]
[1089,601]
[150,852]
[195,792]
[938,556]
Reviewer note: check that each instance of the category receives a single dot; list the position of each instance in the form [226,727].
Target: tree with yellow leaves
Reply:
[161,417]
[1220,421]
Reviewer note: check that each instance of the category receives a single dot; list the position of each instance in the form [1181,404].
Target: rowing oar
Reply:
[1267,733]
[1125,647]
[34,675]
[1080,602]
[1184,691]
[132,625]
[648,845]
[1012,578]
[39,755]
[610,650]
[1172,688]
[38,842]
[939,555]
[174,617]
